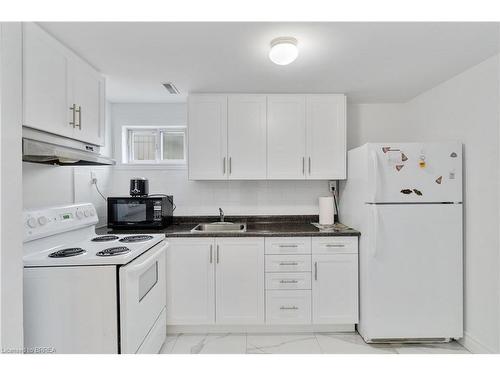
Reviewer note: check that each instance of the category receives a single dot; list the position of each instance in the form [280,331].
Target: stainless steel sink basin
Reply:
[220,227]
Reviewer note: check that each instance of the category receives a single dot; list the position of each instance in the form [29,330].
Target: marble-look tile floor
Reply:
[314,343]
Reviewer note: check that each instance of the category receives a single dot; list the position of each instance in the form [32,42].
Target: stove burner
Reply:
[113,251]
[130,239]
[109,237]
[64,253]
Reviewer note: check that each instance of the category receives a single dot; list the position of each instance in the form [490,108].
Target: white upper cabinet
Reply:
[62,94]
[239,280]
[286,133]
[207,136]
[45,83]
[246,138]
[326,137]
[87,94]
[274,137]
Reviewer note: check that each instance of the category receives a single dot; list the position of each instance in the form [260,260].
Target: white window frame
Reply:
[127,143]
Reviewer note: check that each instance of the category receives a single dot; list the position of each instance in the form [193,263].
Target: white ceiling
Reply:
[371,62]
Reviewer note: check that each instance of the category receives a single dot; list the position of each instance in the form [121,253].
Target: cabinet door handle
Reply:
[224,165]
[211,254]
[217,254]
[290,245]
[288,281]
[335,245]
[289,308]
[289,264]
[230,165]
[79,111]
[73,122]
[309,165]
[303,165]
[316,271]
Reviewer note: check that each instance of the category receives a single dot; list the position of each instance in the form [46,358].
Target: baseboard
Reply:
[474,345]
[308,328]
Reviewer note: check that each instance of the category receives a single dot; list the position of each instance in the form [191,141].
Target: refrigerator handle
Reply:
[376,229]
[376,175]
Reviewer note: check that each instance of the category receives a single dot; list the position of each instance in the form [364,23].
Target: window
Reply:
[155,145]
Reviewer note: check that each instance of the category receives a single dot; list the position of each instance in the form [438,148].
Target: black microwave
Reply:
[140,212]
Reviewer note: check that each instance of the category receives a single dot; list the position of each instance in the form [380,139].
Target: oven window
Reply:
[148,280]
[131,212]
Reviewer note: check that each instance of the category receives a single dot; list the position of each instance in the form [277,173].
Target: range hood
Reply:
[48,148]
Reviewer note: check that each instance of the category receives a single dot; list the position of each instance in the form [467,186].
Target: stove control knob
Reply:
[31,222]
[42,220]
[86,213]
[79,214]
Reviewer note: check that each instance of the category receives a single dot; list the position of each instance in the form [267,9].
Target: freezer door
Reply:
[411,272]
[415,172]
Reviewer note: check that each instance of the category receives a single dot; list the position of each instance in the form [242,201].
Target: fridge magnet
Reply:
[406,191]
[399,167]
[385,149]
[439,180]
[403,157]
[421,162]
[453,155]
[418,192]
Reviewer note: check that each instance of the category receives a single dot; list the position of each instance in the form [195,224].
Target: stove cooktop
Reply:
[65,253]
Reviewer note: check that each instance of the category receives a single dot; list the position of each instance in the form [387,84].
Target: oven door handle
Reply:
[152,258]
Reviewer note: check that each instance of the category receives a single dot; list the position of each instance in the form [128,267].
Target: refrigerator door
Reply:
[415,172]
[411,272]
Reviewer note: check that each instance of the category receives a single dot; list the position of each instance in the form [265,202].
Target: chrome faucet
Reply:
[221,214]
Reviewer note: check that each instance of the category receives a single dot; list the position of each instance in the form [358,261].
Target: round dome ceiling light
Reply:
[283,50]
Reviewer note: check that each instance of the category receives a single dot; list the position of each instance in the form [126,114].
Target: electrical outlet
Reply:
[332,186]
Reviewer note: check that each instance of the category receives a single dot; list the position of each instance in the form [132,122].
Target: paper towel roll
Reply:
[326,210]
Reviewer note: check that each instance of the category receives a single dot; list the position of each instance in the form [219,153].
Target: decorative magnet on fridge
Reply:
[399,167]
[421,161]
[385,149]
[403,157]
[453,155]
[439,180]
[418,192]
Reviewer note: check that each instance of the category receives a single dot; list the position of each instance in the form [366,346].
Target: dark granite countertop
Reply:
[257,226]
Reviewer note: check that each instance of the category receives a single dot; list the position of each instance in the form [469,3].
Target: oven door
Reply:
[142,299]
[130,212]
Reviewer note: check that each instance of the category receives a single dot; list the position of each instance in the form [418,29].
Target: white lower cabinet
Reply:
[239,280]
[190,281]
[288,307]
[254,281]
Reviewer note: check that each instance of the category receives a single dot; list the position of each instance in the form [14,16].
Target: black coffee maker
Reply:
[139,187]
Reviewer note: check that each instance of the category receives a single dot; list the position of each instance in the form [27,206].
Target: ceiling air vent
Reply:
[171,88]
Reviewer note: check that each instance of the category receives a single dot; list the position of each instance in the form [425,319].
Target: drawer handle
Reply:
[288,281]
[289,264]
[291,245]
[289,308]
[335,245]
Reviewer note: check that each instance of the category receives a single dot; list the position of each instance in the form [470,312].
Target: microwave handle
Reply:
[146,263]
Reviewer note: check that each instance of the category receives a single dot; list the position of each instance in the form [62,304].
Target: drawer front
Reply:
[335,245]
[288,245]
[288,281]
[288,307]
[288,263]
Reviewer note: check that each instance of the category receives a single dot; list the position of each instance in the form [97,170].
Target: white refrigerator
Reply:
[406,200]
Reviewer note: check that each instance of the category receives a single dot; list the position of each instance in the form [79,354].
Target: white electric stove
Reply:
[85,293]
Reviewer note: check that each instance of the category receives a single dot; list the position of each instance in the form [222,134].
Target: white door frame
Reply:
[11,204]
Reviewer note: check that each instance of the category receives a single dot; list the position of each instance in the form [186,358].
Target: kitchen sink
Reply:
[220,227]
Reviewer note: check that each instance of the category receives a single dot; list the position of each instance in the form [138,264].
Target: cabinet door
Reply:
[190,281]
[335,289]
[286,132]
[240,280]
[207,137]
[326,137]
[86,91]
[44,83]
[246,137]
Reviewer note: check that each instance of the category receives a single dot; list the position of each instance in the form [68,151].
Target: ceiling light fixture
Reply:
[283,50]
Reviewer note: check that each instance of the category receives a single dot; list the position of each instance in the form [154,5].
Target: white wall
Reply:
[466,108]
[204,197]
[11,251]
